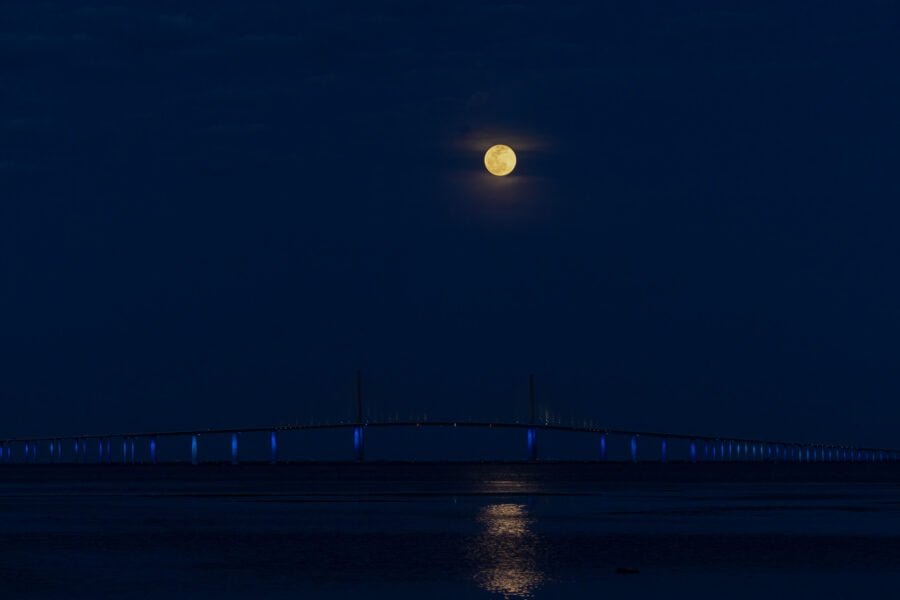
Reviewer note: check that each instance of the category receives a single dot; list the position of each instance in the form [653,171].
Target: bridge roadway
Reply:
[701,447]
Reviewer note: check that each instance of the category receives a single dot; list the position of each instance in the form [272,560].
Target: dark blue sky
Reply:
[214,213]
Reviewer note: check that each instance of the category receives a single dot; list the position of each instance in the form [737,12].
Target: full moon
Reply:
[500,160]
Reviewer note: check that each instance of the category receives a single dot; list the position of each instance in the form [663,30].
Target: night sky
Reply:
[214,213]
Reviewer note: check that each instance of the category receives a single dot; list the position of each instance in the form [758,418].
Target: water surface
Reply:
[449,531]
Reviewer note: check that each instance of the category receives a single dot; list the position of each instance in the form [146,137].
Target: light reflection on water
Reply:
[504,553]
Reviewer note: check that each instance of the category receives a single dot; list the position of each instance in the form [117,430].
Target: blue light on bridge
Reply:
[273,447]
[663,450]
[153,450]
[359,447]
[693,451]
[634,448]
[602,446]
[234,448]
[194,449]
[532,443]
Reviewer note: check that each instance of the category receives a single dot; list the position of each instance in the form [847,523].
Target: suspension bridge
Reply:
[120,448]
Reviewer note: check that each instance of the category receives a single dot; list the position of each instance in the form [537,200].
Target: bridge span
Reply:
[120,448]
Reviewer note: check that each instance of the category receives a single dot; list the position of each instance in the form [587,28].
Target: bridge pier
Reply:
[634,449]
[234,448]
[273,447]
[602,446]
[693,452]
[359,444]
[532,444]
[194,449]
[153,450]
[663,451]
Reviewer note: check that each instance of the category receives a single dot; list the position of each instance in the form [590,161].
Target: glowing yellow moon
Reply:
[500,160]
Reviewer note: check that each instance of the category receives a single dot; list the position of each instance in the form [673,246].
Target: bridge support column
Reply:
[532,443]
[663,450]
[693,452]
[131,449]
[234,448]
[273,447]
[634,449]
[153,450]
[602,446]
[359,444]
[195,443]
